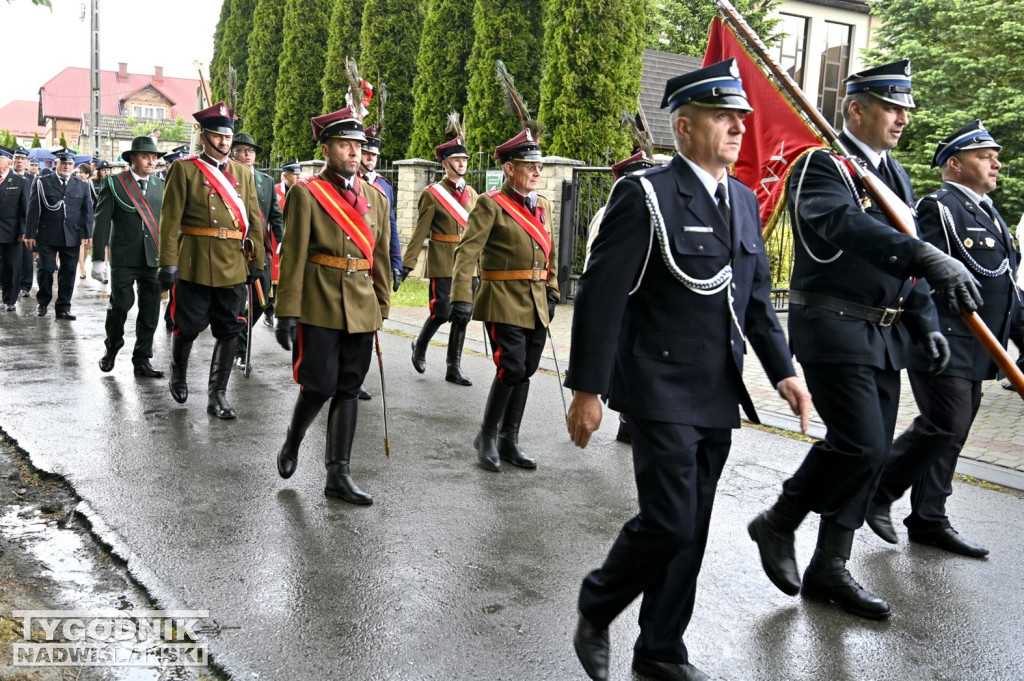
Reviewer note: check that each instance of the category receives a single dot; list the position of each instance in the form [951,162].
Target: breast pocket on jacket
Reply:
[698,241]
[667,347]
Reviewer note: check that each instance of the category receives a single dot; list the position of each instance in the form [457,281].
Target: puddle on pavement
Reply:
[72,562]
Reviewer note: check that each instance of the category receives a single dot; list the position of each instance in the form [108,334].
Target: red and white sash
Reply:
[525,219]
[449,203]
[226,191]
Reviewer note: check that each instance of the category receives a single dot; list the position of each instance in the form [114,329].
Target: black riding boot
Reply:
[341,431]
[302,416]
[456,339]
[827,578]
[180,350]
[486,441]
[508,438]
[220,373]
[775,534]
[419,346]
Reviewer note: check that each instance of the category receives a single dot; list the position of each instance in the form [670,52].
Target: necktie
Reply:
[530,203]
[887,174]
[462,196]
[723,205]
[142,186]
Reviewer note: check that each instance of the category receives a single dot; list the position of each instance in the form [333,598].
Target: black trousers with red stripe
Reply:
[195,306]
[517,350]
[330,362]
[441,298]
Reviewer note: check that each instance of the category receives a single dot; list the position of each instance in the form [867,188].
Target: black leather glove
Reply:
[937,347]
[251,278]
[167,276]
[462,313]
[286,331]
[406,271]
[552,301]
[955,286]
[396,278]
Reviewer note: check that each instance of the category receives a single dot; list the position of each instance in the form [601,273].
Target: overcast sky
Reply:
[144,34]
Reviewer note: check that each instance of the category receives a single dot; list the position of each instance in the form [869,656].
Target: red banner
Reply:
[777,135]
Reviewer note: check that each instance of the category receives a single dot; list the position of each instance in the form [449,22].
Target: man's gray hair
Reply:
[866,99]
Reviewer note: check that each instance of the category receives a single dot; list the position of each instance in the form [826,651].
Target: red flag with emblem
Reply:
[777,135]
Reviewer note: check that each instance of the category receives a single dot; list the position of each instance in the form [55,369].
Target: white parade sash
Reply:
[228,193]
[449,202]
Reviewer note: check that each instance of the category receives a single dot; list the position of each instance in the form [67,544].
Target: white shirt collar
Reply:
[872,156]
[3,175]
[137,177]
[709,182]
[978,199]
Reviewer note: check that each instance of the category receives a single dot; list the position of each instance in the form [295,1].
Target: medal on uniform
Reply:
[969,242]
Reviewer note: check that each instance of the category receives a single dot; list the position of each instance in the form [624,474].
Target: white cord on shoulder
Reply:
[845,175]
[704,287]
[41,195]
[950,229]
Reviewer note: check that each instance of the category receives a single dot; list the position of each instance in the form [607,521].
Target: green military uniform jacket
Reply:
[328,297]
[189,201]
[118,224]
[434,218]
[500,243]
[269,208]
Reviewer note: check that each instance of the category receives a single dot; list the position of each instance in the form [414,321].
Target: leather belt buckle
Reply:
[351,265]
[538,274]
[889,316]
[222,232]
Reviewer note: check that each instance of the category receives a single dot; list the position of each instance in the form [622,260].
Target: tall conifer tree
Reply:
[219,61]
[510,31]
[441,67]
[299,96]
[258,104]
[388,44]
[234,53]
[343,41]
[593,59]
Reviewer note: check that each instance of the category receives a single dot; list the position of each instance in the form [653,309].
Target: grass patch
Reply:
[412,293]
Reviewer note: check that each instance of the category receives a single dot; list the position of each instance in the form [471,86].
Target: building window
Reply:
[835,66]
[147,111]
[790,50]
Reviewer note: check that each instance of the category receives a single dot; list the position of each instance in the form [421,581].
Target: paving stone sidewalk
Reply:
[994,451]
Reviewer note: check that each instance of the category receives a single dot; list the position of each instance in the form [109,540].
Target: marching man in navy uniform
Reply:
[509,234]
[662,335]
[128,219]
[211,245]
[14,194]
[855,312]
[60,215]
[960,220]
[334,293]
[444,209]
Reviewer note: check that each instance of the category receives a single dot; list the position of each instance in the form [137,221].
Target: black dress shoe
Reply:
[65,315]
[107,360]
[591,646]
[144,368]
[41,310]
[778,553]
[10,307]
[364,394]
[24,293]
[827,579]
[950,540]
[667,671]
[880,521]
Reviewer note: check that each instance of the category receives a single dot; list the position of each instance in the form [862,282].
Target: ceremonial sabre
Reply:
[383,396]
[561,388]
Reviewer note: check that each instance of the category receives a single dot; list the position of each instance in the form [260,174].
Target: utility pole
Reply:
[94,109]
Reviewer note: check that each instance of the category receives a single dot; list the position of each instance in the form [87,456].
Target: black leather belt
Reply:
[882,316]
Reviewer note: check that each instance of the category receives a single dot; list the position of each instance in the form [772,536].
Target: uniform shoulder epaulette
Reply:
[492,192]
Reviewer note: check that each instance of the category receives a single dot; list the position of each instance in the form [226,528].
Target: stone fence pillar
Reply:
[414,175]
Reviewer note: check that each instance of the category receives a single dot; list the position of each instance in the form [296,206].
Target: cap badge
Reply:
[734,70]
[529,137]
[223,111]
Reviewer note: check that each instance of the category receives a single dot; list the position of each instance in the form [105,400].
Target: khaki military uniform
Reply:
[356,302]
[435,221]
[500,243]
[190,201]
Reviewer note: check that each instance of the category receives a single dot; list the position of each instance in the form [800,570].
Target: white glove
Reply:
[99,271]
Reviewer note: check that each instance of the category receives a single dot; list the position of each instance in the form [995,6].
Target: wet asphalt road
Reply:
[454,572]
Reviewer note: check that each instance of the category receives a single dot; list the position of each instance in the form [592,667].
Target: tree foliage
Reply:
[258,103]
[36,142]
[7,139]
[299,97]
[681,26]
[444,50]
[343,41]
[176,132]
[388,44]
[219,61]
[234,54]
[510,31]
[588,77]
[968,62]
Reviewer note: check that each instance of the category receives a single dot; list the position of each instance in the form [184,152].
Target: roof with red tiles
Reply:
[66,95]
